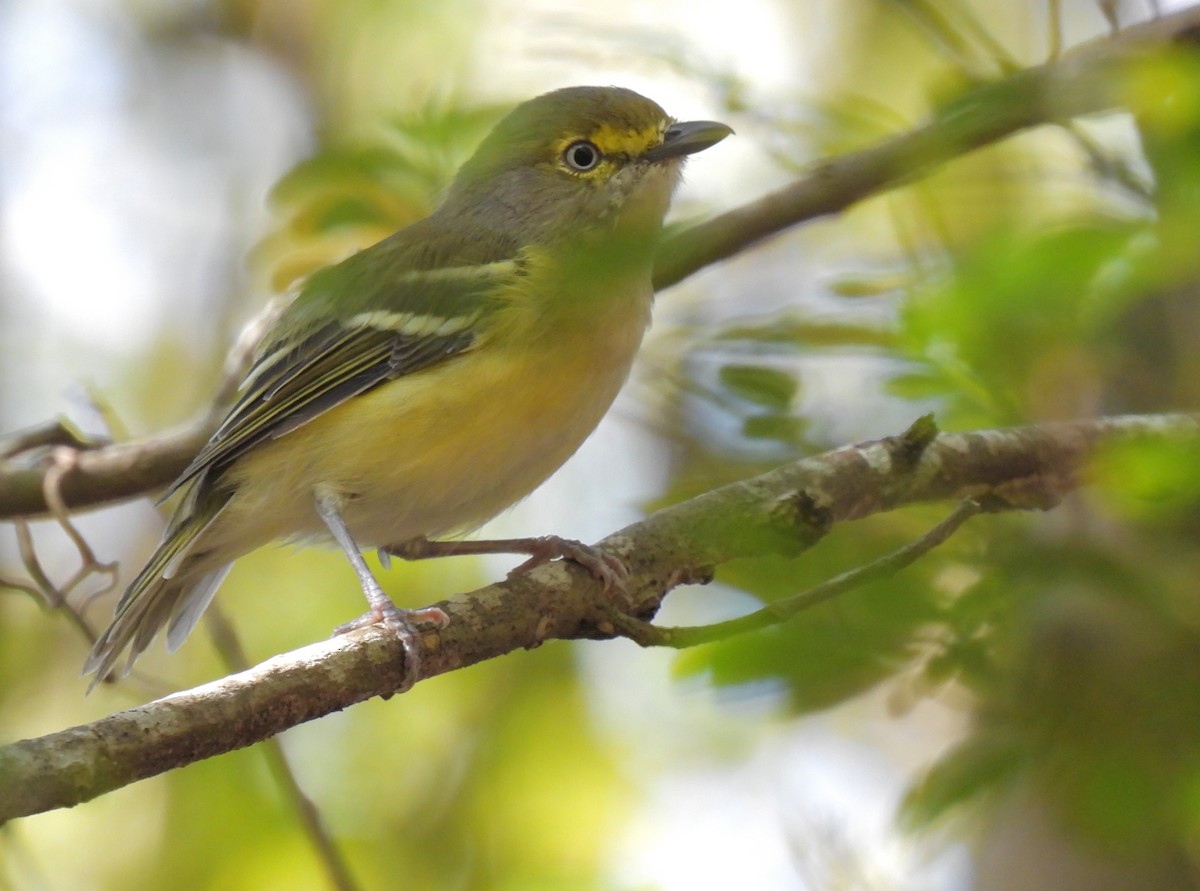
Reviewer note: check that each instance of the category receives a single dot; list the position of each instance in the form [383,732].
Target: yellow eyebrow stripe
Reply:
[622,141]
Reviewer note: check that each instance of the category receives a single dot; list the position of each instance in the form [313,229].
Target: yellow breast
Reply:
[449,447]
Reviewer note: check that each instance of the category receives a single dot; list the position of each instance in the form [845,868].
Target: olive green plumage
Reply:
[428,382]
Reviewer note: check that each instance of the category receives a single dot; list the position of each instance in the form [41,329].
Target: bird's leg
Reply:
[542,549]
[383,612]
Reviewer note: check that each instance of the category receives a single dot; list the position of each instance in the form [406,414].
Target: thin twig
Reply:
[233,655]
[42,588]
[1079,83]
[1106,166]
[1054,29]
[23,587]
[64,460]
[58,432]
[46,590]
[50,594]
[936,25]
[682,637]
[972,25]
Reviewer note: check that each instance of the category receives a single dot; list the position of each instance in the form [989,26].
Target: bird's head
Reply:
[576,161]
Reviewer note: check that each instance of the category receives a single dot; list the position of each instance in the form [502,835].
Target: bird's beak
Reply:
[686,139]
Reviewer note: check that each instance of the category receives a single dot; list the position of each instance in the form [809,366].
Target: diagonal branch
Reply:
[780,611]
[1084,81]
[103,475]
[1080,82]
[785,511]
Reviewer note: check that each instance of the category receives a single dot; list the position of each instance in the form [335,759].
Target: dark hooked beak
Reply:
[686,139]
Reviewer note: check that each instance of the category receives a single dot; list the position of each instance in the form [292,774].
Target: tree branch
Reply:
[103,475]
[785,511]
[780,611]
[1080,82]
[1084,81]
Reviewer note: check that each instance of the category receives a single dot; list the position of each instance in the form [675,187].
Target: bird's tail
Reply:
[173,589]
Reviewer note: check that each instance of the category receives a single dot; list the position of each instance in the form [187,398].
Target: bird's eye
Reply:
[581,156]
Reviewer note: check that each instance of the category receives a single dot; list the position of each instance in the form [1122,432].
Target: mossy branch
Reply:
[1083,81]
[787,510]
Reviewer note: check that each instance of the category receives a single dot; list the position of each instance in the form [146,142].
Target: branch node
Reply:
[802,517]
[688,575]
[641,633]
[906,449]
[59,432]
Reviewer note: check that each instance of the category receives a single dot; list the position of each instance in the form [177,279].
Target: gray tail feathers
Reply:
[173,589]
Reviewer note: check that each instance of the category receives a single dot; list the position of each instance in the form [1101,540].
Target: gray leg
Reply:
[383,611]
[329,509]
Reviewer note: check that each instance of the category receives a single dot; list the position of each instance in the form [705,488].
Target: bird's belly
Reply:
[443,450]
[474,461]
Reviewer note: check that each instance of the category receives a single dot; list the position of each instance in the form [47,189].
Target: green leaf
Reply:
[761,385]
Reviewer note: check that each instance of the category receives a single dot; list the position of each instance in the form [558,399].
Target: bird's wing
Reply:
[433,316]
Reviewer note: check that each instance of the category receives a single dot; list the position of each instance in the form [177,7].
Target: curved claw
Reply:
[402,623]
[609,569]
[391,615]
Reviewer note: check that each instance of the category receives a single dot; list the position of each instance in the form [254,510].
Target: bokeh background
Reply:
[1017,711]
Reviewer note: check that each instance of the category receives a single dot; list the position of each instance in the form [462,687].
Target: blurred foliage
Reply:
[838,650]
[349,197]
[1084,676]
[1077,636]
[1052,276]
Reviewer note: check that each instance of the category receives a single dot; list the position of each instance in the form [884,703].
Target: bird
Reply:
[425,384]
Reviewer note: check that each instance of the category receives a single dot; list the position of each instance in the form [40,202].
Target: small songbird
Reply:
[428,382]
